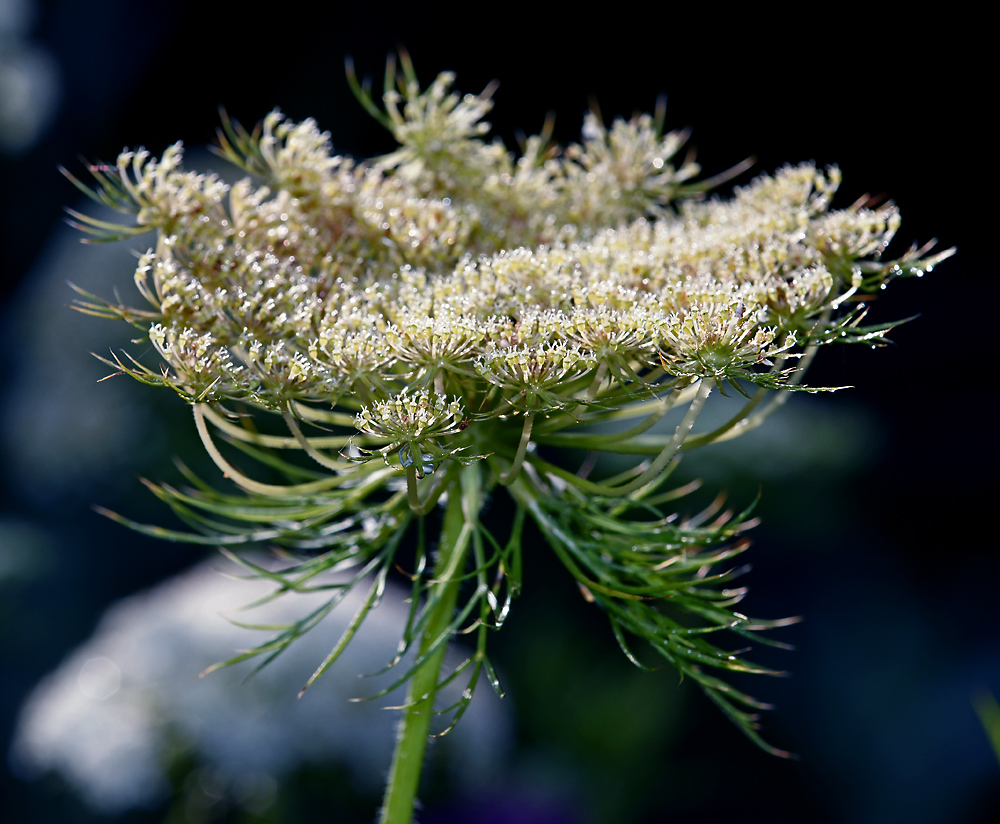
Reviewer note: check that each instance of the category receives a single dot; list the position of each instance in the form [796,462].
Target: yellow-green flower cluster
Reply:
[413,422]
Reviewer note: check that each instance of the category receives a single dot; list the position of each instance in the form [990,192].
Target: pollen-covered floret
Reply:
[414,424]
[719,340]
[531,375]
[411,416]
[447,341]
[199,369]
[164,194]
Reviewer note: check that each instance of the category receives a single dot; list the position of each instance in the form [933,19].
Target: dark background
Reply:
[889,552]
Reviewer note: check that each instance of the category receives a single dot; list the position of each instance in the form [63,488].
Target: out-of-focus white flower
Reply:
[30,80]
[109,717]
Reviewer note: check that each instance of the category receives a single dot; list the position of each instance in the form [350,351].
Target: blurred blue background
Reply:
[876,501]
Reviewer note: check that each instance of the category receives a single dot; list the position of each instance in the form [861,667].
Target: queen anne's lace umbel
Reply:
[423,322]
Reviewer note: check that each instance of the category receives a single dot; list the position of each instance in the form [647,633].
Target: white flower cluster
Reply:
[450,266]
[411,417]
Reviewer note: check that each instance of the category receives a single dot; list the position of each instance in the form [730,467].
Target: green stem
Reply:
[655,471]
[605,441]
[464,498]
[522,447]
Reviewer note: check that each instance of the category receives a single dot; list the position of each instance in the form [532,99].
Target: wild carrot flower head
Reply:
[425,322]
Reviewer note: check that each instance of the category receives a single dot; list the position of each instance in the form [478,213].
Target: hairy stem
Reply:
[464,498]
